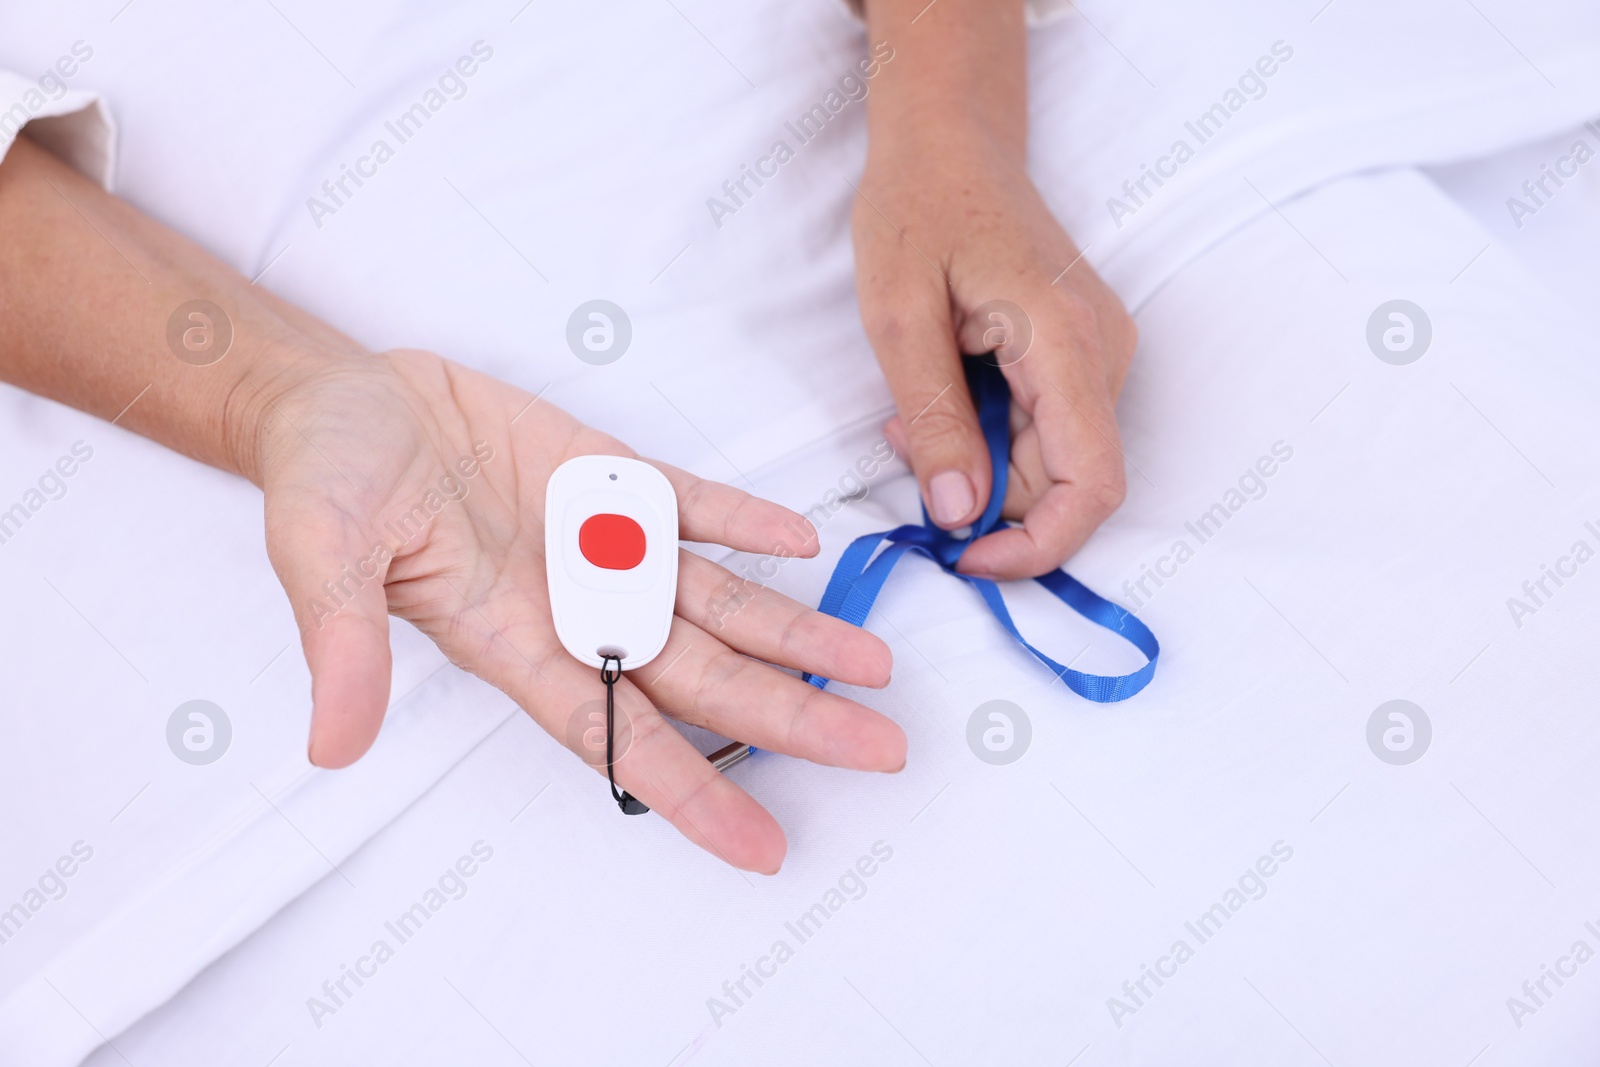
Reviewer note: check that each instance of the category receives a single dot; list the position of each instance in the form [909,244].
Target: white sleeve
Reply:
[73,124]
[1039,11]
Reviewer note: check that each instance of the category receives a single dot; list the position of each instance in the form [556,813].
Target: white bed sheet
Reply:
[577,164]
[1018,899]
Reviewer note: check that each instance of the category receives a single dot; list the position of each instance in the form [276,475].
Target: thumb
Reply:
[912,334]
[334,580]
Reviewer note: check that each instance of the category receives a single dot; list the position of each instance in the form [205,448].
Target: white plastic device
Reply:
[611,555]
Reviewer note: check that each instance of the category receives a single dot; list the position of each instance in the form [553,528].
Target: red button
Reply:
[614,542]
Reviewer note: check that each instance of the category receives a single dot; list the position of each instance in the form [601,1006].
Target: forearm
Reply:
[959,74]
[87,289]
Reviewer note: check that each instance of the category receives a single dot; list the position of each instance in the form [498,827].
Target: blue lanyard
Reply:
[862,570]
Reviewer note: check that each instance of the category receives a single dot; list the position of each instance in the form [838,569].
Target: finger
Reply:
[343,616]
[513,649]
[895,431]
[1025,477]
[1026,480]
[703,682]
[908,320]
[675,781]
[1081,455]
[652,761]
[757,621]
[714,513]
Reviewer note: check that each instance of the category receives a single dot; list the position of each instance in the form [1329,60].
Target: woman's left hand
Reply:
[956,252]
[964,257]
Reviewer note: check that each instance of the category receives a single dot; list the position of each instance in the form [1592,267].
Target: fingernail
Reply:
[952,496]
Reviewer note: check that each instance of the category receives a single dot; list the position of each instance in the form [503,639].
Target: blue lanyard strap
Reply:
[862,570]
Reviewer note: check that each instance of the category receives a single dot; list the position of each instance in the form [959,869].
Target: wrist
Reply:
[254,419]
[955,80]
[906,142]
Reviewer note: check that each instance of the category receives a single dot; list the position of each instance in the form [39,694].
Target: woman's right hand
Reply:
[347,448]
[344,442]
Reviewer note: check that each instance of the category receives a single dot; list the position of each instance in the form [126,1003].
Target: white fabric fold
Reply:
[75,124]
[1019,904]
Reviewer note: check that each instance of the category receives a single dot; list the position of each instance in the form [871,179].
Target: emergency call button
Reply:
[612,542]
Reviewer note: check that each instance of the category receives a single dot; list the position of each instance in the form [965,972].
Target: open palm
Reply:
[405,484]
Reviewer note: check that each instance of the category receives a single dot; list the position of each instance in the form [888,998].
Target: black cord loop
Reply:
[609,675]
